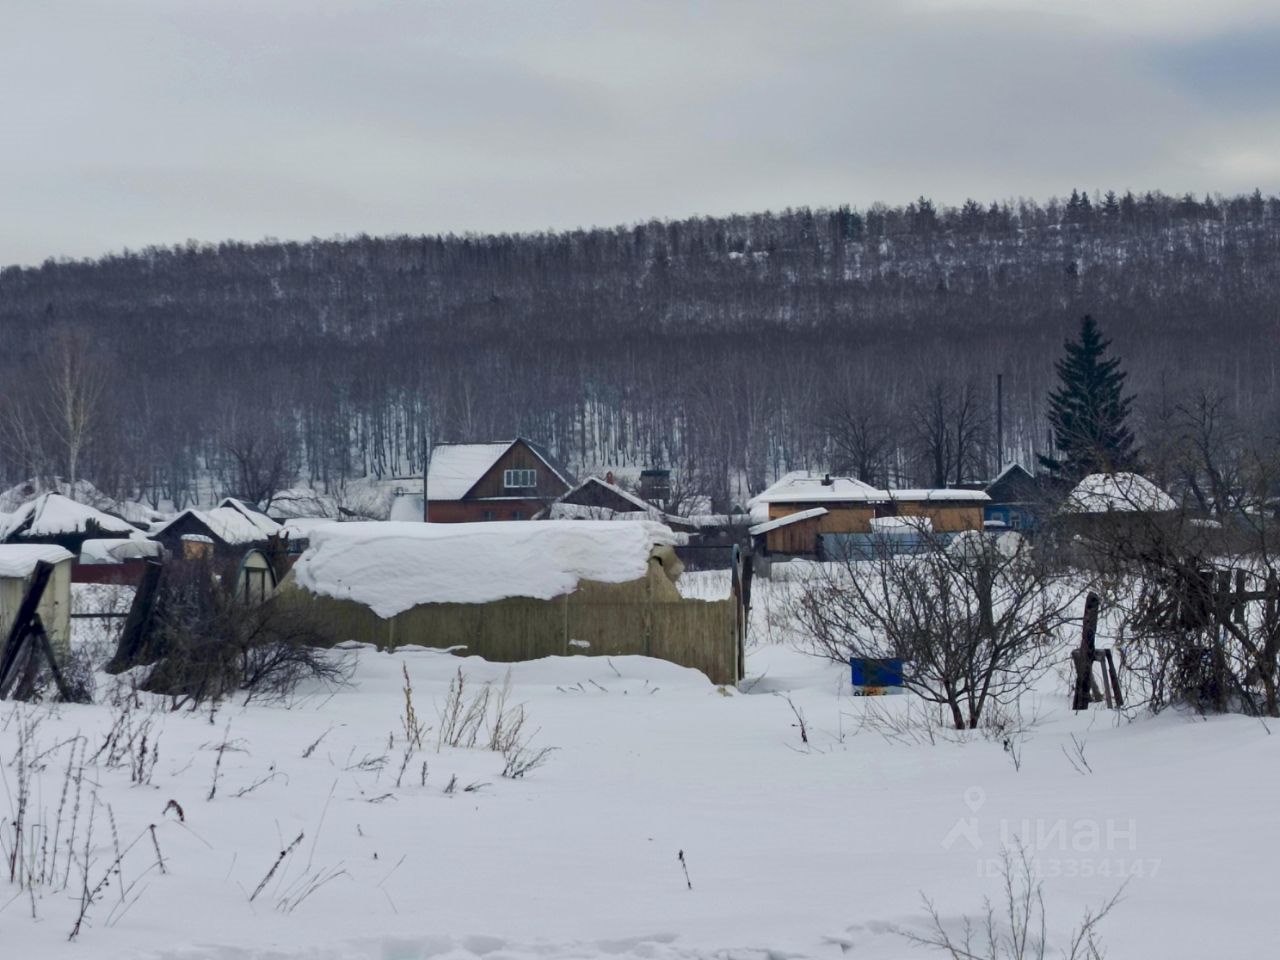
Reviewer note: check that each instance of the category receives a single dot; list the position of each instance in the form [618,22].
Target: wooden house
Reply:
[228,530]
[802,508]
[708,539]
[509,480]
[1019,499]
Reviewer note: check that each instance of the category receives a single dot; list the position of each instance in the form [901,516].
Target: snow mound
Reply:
[20,559]
[391,567]
[1117,493]
[118,551]
[51,515]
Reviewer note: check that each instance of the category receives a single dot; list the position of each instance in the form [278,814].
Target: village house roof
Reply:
[802,487]
[20,559]
[53,515]
[457,467]
[231,521]
[786,521]
[1117,493]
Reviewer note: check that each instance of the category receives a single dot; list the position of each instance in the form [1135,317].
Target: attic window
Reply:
[520,479]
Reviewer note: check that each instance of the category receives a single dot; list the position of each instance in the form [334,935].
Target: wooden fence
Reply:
[596,620]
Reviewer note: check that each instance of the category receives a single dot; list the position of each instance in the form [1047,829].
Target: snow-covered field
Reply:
[792,849]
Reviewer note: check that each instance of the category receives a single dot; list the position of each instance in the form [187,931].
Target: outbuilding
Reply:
[17,566]
[511,591]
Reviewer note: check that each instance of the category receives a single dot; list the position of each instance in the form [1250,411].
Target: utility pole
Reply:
[999,422]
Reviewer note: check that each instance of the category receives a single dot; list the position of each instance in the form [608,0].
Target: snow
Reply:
[1117,493]
[808,851]
[51,514]
[789,519]
[801,487]
[901,525]
[793,850]
[455,467]
[20,559]
[82,491]
[391,567]
[232,522]
[407,508]
[118,551]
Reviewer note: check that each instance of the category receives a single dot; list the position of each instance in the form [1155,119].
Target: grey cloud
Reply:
[165,121]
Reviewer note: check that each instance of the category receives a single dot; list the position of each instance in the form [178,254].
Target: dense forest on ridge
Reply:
[730,348]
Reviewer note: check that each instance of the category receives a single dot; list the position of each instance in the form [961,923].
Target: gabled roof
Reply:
[231,522]
[52,515]
[614,489]
[786,521]
[810,488]
[457,467]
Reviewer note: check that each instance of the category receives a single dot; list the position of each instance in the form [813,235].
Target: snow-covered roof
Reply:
[457,467]
[801,487]
[895,525]
[20,559]
[1117,493]
[51,515]
[118,551]
[231,522]
[786,521]
[391,567]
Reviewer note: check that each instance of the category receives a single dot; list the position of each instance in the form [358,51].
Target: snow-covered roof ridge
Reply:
[391,567]
[20,559]
[52,514]
[1117,493]
[457,467]
[117,551]
[235,525]
[803,487]
[786,521]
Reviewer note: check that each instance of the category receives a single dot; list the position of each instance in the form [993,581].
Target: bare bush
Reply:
[1015,927]
[212,645]
[975,620]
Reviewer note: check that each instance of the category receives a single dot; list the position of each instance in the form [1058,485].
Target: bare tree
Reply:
[76,379]
[1198,598]
[950,423]
[862,431]
[261,446]
[974,620]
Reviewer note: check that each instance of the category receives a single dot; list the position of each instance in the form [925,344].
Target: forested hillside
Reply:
[730,348]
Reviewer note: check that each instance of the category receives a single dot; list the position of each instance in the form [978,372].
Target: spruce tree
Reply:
[1088,410]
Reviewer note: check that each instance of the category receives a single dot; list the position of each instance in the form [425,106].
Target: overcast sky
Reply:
[138,122]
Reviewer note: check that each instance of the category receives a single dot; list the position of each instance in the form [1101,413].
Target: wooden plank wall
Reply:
[692,633]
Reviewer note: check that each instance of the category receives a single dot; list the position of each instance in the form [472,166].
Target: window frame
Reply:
[511,476]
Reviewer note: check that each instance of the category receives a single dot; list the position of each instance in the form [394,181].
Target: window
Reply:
[487,515]
[519,479]
[517,514]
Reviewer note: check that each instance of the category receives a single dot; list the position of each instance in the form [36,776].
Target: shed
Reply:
[851,506]
[17,564]
[231,527]
[511,591]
